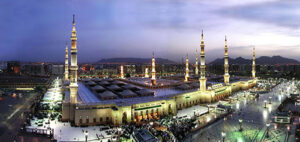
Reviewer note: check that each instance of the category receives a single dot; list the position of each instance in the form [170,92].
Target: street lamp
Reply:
[86,133]
[270,100]
[265,103]
[268,126]
[223,136]
[240,121]
[288,129]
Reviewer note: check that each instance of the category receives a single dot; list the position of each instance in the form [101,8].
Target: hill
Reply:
[135,61]
[263,60]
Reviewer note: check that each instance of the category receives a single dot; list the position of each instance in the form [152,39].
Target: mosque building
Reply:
[117,101]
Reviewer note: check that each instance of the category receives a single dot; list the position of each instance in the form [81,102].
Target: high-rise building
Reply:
[153,72]
[67,64]
[202,78]
[186,78]
[226,65]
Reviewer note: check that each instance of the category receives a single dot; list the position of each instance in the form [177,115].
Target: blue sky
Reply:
[35,30]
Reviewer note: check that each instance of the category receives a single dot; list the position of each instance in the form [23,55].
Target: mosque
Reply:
[119,101]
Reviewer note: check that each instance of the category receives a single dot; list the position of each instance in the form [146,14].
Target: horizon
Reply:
[178,62]
[38,31]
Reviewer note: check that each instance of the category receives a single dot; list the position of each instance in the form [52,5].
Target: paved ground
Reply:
[11,110]
[254,117]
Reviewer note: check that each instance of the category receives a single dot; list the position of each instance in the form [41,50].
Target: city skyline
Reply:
[39,31]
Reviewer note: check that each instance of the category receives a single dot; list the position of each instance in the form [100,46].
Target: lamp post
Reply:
[268,126]
[288,129]
[86,133]
[270,100]
[223,136]
[265,103]
[240,121]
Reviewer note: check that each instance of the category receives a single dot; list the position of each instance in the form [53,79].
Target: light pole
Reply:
[86,133]
[268,126]
[288,129]
[240,121]
[270,100]
[265,103]
[223,136]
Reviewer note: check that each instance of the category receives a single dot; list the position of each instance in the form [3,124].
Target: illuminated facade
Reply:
[186,77]
[202,78]
[153,72]
[122,72]
[253,64]
[67,64]
[196,63]
[146,73]
[226,65]
[116,111]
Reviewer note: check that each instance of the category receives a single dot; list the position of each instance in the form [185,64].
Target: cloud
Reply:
[279,13]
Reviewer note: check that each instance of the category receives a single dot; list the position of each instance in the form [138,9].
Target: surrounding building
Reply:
[14,67]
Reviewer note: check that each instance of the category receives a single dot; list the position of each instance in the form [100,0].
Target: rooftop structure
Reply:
[94,91]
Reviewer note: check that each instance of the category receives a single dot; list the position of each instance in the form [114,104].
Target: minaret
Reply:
[226,65]
[202,78]
[196,64]
[146,73]
[253,64]
[186,78]
[67,64]
[122,72]
[74,67]
[153,78]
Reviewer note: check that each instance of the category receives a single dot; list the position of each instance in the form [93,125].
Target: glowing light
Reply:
[265,114]
[237,105]
[270,108]
[279,98]
[208,119]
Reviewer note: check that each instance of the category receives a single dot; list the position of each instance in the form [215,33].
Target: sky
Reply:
[36,30]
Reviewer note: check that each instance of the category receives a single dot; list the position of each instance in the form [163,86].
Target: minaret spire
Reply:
[226,65]
[186,78]
[202,78]
[146,73]
[74,67]
[253,64]
[67,63]
[153,78]
[196,64]
[122,72]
